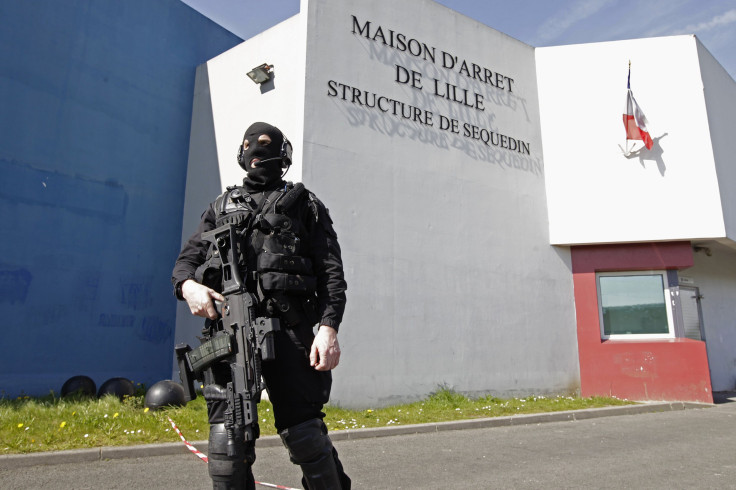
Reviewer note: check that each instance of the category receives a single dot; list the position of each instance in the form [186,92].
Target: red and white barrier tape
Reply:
[275,486]
[204,458]
[186,443]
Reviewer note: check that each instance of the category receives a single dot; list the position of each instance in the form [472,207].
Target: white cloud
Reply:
[717,21]
[557,25]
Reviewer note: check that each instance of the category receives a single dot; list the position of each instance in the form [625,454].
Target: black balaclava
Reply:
[267,172]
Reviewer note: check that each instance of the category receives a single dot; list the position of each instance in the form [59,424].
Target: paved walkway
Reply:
[647,446]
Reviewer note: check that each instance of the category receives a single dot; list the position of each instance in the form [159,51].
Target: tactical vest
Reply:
[268,252]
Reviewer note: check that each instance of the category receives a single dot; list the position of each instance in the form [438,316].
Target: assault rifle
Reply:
[243,337]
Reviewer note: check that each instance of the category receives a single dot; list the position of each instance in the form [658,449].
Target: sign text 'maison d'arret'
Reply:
[436,87]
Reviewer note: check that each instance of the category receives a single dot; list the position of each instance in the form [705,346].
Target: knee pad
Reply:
[230,472]
[311,448]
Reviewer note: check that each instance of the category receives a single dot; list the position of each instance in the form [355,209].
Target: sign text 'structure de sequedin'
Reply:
[438,88]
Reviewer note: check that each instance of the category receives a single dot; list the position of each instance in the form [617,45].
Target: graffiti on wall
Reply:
[14,284]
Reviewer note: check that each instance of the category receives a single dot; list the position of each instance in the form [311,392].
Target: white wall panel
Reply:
[451,277]
[595,193]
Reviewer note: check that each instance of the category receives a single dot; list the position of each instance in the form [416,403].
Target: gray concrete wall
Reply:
[420,129]
[452,281]
[719,90]
[714,273]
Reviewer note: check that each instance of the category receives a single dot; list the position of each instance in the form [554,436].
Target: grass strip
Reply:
[50,423]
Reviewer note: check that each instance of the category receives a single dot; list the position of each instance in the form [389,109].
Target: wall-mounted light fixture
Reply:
[261,74]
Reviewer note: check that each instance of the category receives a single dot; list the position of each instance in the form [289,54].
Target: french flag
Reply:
[634,120]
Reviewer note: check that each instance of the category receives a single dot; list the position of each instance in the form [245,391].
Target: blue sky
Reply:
[540,22]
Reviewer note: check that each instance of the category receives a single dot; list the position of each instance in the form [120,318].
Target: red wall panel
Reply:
[662,369]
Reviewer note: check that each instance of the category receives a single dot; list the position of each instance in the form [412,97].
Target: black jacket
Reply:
[319,245]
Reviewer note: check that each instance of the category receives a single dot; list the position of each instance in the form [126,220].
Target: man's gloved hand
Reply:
[200,299]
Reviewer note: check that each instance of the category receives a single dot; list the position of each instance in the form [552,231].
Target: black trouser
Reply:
[296,390]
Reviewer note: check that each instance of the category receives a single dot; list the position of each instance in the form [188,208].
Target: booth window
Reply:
[635,305]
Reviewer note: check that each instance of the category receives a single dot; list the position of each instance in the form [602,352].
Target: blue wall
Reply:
[95,111]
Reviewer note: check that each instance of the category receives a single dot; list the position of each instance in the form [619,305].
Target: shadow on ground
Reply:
[724,397]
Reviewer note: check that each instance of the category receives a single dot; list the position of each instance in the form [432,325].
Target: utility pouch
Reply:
[296,284]
[281,243]
[287,309]
[273,221]
[284,263]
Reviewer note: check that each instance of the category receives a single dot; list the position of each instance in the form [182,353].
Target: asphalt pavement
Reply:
[650,446]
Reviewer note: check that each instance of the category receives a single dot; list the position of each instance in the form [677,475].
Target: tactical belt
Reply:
[210,351]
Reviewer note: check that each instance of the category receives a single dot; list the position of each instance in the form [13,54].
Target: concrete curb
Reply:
[172,448]
[526,419]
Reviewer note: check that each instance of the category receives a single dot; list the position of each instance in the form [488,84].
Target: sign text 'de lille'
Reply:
[437,87]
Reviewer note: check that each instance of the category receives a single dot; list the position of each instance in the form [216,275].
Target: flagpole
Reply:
[627,152]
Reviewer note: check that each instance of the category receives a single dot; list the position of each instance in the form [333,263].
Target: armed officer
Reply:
[290,258]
